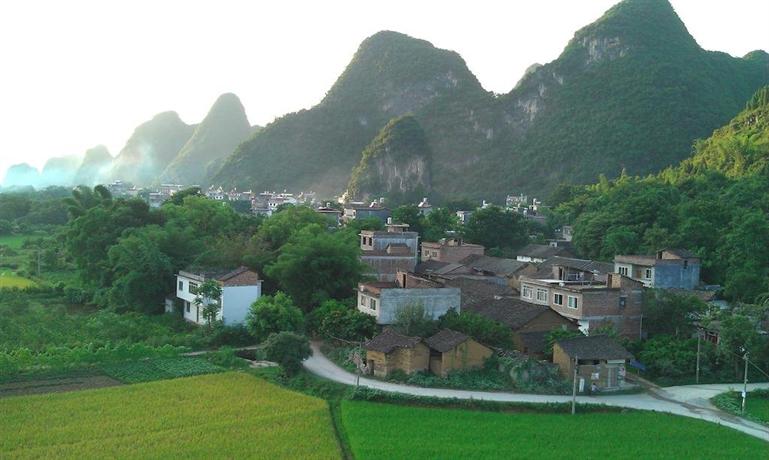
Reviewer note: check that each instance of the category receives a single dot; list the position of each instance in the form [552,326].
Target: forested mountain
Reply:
[150,149]
[391,75]
[217,136]
[396,164]
[96,165]
[715,203]
[60,170]
[20,175]
[631,90]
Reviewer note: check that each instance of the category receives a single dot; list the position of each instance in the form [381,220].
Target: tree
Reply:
[178,197]
[349,324]
[209,296]
[84,198]
[410,214]
[493,227]
[669,313]
[316,265]
[287,349]
[5,227]
[273,314]
[415,320]
[439,223]
[281,226]
[141,274]
[480,328]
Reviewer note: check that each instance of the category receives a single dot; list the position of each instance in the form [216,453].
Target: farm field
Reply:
[14,241]
[391,432]
[10,280]
[756,408]
[231,415]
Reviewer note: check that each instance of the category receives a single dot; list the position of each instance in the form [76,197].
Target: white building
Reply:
[240,288]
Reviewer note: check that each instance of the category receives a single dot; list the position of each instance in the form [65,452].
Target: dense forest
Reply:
[714,204]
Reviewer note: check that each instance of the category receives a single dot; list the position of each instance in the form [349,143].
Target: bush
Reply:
[288,350]
[414,320]
[314,319]
[484,330]
[273,314]
[350,325]
[220,335]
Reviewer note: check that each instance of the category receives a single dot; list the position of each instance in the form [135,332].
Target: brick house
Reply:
[600,360]
[451,350]
[240,288]
[383,299]
[617,302]
[668,269]
[450,250]
[388,252]
[498,270]
[391,350]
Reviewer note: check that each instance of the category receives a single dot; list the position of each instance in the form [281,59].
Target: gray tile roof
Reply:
[446,340]
[496,265]
[541,251]
[389,340]
[594,347]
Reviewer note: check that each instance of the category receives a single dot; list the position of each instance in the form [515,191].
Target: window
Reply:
[542,295]
[648,273]
[526,292]
[372,304]
[573,302]
[362,301]
[622,301]
[187,306]
[558,299]
[194,288]
[181,285]
[623,271]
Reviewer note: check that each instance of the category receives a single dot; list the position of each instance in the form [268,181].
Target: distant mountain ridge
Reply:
[632,90]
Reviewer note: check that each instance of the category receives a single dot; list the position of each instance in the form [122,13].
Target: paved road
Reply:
[689,401]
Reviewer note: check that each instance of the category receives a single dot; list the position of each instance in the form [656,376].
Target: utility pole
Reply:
[745,383]
[574,388]
[699,335]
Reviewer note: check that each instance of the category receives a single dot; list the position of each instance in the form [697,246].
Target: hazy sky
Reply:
[78,73]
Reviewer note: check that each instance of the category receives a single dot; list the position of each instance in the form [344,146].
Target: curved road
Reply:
[689,401]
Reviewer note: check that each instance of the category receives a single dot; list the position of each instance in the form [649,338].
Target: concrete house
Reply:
[383,299]
[240,288]
[391,350]
[358,211]
[451,350]
[600,360]
[390,251]
[449,250]
[618,301]
[668,269]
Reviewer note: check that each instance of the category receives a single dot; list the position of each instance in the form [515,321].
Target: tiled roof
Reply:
[389,340]
[496,265]
[476,293]
[594,347]
[446,340]
[545,270]
[512,312]
[541,251]
[240,277]
[534,342]
[682,253]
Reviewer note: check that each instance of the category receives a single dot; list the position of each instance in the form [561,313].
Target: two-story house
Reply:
[240,288]
[668,269]
[390,251]
[450,250]
[618,301]
[358,211]
[383,299]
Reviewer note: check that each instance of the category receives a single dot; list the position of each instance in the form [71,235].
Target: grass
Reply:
[13,241]
[159,369]
[229,415]
[10,280]
[393,432]
[756,404]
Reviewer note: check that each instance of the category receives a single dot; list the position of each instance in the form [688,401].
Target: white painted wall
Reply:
[236,302]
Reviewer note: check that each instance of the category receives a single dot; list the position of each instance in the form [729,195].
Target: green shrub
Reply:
[288,350]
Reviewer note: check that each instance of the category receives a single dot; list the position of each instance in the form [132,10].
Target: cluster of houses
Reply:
[544,288]
[264,203]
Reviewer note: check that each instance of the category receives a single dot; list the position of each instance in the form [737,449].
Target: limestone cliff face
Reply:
[395,165]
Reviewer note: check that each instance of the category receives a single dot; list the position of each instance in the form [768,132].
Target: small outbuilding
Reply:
[392,350]
[600,361]
[450,350]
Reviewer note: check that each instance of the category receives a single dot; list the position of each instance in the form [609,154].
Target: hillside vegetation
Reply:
[632,90]
[714,203]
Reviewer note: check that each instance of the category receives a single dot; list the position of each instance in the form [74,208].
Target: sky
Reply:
[81,73]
